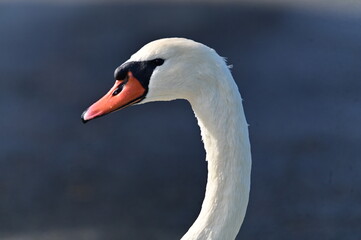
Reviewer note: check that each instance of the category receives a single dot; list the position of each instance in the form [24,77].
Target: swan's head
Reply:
[162,70]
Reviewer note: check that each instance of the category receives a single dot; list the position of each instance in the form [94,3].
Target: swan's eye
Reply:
[158,61]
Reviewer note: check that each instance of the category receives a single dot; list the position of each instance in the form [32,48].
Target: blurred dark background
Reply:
[140,173]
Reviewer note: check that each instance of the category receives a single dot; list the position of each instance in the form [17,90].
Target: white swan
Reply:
[177,68]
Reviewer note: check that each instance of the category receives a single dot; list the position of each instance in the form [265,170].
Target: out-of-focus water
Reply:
[140,173]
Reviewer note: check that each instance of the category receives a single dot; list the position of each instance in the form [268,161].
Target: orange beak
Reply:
[124,93]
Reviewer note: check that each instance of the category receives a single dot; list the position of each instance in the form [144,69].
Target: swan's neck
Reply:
[224,132]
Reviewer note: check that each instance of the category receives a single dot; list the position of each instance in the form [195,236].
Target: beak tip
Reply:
[83,117]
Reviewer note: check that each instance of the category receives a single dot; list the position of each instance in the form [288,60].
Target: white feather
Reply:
[195,72]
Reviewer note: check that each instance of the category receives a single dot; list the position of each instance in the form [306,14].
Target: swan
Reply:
[179,68]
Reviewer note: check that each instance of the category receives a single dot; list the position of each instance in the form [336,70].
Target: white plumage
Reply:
[195,72]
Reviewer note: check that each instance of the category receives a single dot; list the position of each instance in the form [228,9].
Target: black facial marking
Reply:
[141,70]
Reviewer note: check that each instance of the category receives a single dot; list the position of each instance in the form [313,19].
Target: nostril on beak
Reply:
[118,90]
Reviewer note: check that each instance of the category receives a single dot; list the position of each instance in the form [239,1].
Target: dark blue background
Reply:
[140,173]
